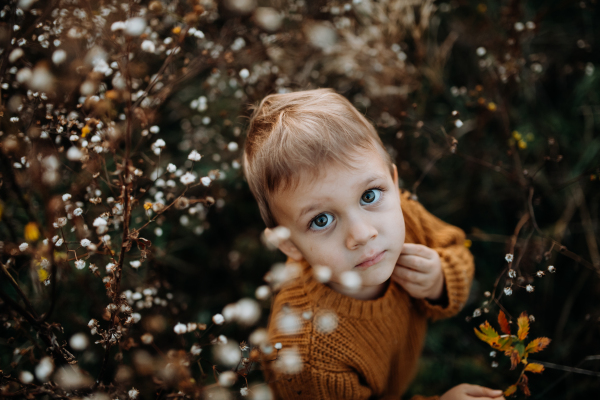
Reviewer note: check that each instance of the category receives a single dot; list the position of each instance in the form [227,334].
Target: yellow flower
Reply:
[147,206]
[42,274]
[517,135]
[32,233]
[492,106]
[522,144]
[86,129]
[177,30]
[468,243]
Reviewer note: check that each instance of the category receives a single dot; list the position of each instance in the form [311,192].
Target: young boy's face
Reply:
[346,219]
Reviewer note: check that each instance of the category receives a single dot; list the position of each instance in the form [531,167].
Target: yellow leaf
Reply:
[523,323]
[538,344]
[176,30]
[535,368]
[510,390]
[42,274]
[32,233]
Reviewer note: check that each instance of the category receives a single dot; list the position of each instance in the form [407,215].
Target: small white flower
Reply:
[232,146]
[458,123]
[92,323]
[85,242]
[135,264]
[77,212]
[512,273]
[79,341]
[218,319]
[481,51]
[529,288]
[180,328]
[494,364]
[509,258]
[493,353]
[23,246]
[110,267]
[133,393]
[59,56]
[476,313]
[507,291]
[59,242]
[540,274]
[159,143]
[194,156]
[244,391]
[98,222]
[551,269]
[117,26]
[519,26]
[244,73]
[80,264]
[148,46]
[135,26]
[262,292]
[196,350]
[154,129]
[227,378]
[205,181]
[26,377]
[322,273]
[171,168]
[187,178]
[44,369]
[351,280]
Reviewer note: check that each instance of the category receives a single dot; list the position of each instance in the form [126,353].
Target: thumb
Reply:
[480,391]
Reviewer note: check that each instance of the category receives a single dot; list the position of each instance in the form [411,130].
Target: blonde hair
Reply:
[300,132]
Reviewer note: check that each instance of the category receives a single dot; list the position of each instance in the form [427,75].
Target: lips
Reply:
[371,261]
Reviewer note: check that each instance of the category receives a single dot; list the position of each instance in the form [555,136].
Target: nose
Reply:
[360,231]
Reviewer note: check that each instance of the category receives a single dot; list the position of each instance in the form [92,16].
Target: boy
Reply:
[373,264]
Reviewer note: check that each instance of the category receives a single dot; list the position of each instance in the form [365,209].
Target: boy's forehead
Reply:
[311,187]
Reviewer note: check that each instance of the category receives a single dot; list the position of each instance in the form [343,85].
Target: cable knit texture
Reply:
[373,351]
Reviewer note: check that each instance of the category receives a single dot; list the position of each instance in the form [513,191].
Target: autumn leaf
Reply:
[504,327]
[538,344]
[535,368]
[510,390]
[488,334]
[515,358]
[523,323]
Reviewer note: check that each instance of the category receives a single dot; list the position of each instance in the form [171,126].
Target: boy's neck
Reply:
[365,293]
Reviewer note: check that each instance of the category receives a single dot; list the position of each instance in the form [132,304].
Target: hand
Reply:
[419,271]
[466,392]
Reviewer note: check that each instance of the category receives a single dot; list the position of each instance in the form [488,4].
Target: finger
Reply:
[409,275]
[480,391]
[413,290]
[418,250]
[417,263]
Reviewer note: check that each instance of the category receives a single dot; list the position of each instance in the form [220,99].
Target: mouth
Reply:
[371,261]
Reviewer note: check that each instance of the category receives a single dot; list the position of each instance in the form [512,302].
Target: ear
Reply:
[289,249]
[395,176]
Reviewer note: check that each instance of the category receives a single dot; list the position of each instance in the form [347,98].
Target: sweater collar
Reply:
[326,298]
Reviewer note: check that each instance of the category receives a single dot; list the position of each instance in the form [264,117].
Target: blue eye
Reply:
[370,196]
[321,221]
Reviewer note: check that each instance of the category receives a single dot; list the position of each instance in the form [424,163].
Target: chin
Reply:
[378,276]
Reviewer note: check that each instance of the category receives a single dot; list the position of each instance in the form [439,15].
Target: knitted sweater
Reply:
[362,349]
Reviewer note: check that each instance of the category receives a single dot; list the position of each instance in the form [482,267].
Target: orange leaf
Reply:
[510,390]
[523,323]
[535,368]
[515,358]
[538,344]
[504,327]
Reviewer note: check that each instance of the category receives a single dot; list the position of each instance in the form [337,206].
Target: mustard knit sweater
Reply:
[372,351]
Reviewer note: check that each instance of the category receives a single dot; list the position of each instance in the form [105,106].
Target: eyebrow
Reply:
[314,206]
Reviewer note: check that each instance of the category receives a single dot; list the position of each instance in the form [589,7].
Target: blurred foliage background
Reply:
[490,109]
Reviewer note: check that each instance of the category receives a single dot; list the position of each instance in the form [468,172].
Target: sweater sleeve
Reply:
[313,383]
[457,261]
